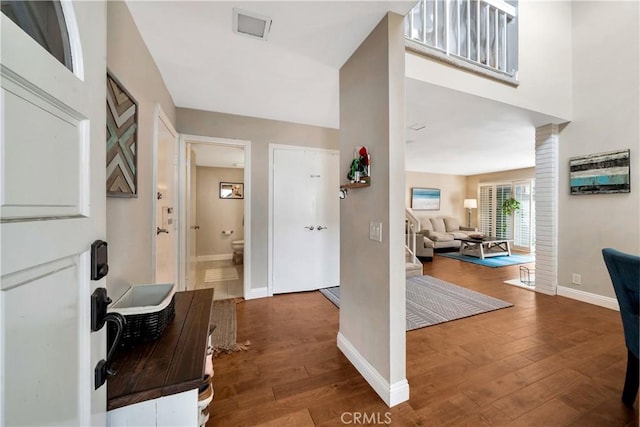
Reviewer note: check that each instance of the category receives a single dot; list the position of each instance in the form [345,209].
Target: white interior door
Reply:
[192,226]
[305,251]
[53,205]
[166,182]
[327,219]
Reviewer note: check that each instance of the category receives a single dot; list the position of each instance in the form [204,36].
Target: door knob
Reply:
[161,230]
[320,228]
[195,227]
[310,227]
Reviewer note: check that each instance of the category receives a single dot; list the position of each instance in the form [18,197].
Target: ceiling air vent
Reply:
[251,24]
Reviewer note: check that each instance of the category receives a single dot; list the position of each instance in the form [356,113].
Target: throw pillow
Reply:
[438,225]
[452,224]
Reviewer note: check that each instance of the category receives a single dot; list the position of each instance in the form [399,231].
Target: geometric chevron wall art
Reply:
[122,140]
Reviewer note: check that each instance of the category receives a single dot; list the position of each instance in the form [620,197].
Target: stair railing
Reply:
[412,226]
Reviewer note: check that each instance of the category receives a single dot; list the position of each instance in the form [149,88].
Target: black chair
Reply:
[624,270]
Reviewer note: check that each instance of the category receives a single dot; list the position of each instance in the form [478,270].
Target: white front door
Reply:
[305,236]
[52,196]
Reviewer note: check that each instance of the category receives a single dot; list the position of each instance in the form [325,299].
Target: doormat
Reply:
[495,261]
[431,301]
[219,274]
[225,327]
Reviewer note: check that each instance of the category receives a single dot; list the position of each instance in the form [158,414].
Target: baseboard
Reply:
[218,257]
[391,394]
[595,299]
[256,293]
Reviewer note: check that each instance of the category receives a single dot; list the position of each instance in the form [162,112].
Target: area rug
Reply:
[219,274]
[496,261]
[431,301]
[223,318]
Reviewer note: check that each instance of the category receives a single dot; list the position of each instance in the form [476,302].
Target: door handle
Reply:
[99,317]
[320,228]
[310,227]
[195,227]
[161,230]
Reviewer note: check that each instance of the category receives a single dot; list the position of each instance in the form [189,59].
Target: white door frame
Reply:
[272,148]
[160,116]
[185,141]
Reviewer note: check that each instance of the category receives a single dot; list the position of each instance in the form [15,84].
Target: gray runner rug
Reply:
[431,301]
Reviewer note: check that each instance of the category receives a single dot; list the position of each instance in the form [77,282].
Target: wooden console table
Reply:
[171,365]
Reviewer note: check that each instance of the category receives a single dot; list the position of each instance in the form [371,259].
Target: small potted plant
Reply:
[508,208]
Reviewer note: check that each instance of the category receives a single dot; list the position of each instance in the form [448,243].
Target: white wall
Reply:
[129,231]
[453,190]
[261,133]
[214,214]
[544,63]
[606,64]
[372,299]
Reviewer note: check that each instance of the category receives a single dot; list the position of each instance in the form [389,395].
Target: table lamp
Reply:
[470,204]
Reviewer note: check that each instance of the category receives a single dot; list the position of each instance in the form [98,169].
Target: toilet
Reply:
[238,251]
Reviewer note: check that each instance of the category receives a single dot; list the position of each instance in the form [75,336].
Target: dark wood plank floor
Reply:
[547,361]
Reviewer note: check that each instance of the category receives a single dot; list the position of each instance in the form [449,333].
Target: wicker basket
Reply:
[148,310]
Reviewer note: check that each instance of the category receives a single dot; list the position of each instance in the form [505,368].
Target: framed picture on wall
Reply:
[425,199]
[231,190]
[601,173]
[122,140]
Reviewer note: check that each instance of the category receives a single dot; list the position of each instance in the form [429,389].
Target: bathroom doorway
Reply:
[217,213]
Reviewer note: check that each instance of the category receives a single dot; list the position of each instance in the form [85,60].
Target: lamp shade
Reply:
[470,203]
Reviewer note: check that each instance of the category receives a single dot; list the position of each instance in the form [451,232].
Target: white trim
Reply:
[391,394]
[272,148]
[588,297]
[185,141]
[216,257]
[160,116]
[77,60]
[257,293]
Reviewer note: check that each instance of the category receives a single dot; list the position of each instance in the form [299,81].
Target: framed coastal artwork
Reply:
[601,173]
[425,199]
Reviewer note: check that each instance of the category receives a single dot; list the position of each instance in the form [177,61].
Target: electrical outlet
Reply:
[375,231]
[576,278]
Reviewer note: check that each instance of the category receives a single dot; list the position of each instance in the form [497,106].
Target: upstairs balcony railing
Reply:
[481,32]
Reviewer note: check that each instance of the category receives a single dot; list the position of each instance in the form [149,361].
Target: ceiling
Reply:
[222,156]
[294,77]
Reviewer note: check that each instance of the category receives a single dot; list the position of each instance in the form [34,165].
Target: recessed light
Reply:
[251,24]
[417,126]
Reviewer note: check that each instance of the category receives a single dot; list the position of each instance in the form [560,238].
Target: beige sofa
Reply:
[439,233]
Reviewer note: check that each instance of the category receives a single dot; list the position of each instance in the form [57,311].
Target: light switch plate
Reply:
[375,231]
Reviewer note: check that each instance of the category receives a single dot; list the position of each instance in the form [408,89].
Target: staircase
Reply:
[413,264]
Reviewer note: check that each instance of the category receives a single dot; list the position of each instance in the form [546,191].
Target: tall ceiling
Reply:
[294,77]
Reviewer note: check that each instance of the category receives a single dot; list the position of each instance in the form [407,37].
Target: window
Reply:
[44,22]
[520,227]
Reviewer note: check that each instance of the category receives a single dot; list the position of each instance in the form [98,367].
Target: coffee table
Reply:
[486,247]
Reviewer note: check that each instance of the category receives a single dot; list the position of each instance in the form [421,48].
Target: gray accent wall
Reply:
[129,232]
[214,215]
[372,274]
[606,108]
[261,133]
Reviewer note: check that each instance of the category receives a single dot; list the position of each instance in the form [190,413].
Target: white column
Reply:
[547,209]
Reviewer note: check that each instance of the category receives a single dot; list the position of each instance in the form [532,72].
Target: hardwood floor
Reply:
[547,361]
